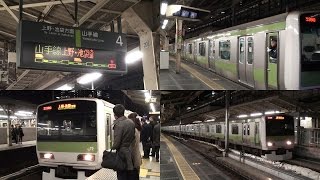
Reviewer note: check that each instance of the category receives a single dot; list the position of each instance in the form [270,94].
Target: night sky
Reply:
[39,97]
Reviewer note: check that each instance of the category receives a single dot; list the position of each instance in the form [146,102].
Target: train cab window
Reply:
[234,129]
[310,43]
[218,128]
[273,49]
[202,49]
[244,129]
[241,50]
[190,48]
[224,50]
[248,129]
[250,50]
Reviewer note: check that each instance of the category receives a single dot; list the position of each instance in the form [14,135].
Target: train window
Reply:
[244,129]
[190,48]
[218,128]
[241,50]
[224,50]
[250,50]
[273,49]
[202,49]
[234,129]
[207,128]
[248,129]
[310,46]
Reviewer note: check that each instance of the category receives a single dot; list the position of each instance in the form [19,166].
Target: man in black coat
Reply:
[124,137]
[146,135]
[156,141]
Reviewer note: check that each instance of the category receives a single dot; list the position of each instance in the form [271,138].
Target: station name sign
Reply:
[45,46]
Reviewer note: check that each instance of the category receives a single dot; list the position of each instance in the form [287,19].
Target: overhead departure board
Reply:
[60,48]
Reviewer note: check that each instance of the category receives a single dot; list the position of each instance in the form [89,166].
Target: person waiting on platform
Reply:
[146,134]
[124,139]
[21,134]
[14,134]
[156,140]
[136,150]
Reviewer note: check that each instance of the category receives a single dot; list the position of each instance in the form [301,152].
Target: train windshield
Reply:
[67,121]
[310,42]
[279,125]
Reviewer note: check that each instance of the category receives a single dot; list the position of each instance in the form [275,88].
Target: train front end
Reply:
[67,139]
[279,137]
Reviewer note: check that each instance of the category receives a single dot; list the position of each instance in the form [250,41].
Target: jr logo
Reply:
[90,149]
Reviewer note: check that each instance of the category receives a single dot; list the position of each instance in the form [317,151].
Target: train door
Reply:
[194,44]
[256,134]
[108,131]
[245,60]
[211,55]
[272,60]
[245,133]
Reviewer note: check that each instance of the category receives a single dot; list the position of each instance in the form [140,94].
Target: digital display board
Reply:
[61,48]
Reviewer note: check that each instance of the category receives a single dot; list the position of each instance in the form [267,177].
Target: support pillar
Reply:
[146,46]
[178,44]
[166,43]
[9,136]
[226,133]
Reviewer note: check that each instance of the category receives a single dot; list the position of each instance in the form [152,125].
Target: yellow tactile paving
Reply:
[143,172]
[202,78]
[184,168]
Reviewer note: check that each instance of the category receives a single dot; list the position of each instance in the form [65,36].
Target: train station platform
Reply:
[188,164]
[193,77]
[149,170]
[179,162]
[4,147]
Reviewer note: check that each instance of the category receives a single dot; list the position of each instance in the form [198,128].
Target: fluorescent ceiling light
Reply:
[152,107]
[88,78]
[210,120]
[65,87]
[164,7]
[242,116]
[165,22]
[133,56]
[197,122]
[255,114]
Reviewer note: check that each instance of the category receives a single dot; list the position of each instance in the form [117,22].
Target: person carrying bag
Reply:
[113,160]
[124,136]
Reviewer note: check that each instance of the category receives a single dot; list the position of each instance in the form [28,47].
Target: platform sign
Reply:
[61,48]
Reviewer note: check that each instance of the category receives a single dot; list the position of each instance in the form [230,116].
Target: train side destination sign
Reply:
[61,48]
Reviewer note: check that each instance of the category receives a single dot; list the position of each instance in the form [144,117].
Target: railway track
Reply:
[24,173]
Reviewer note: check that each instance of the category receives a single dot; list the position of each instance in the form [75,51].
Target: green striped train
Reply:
[269,136]
[279,52]
[72,135]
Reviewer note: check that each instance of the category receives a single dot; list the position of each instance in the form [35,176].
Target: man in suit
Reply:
[124,138]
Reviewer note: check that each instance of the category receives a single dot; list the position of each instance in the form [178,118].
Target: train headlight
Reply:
[46,156]
[86,157]
[289,142]
[269,144]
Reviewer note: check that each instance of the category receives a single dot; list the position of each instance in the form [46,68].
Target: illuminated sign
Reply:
[47,108]
[61,48]
[66,106]
[279,117]
[75,57]
[311,19]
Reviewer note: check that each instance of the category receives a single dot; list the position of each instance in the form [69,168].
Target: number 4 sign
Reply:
[119,41]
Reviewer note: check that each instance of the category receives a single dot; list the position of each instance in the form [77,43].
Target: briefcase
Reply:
[113,160]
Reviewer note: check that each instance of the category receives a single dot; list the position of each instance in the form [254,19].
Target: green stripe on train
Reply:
[202,61]
[259,75]
[226,66]
[83,147]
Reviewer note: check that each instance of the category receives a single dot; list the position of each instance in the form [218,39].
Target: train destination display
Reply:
[60,48]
